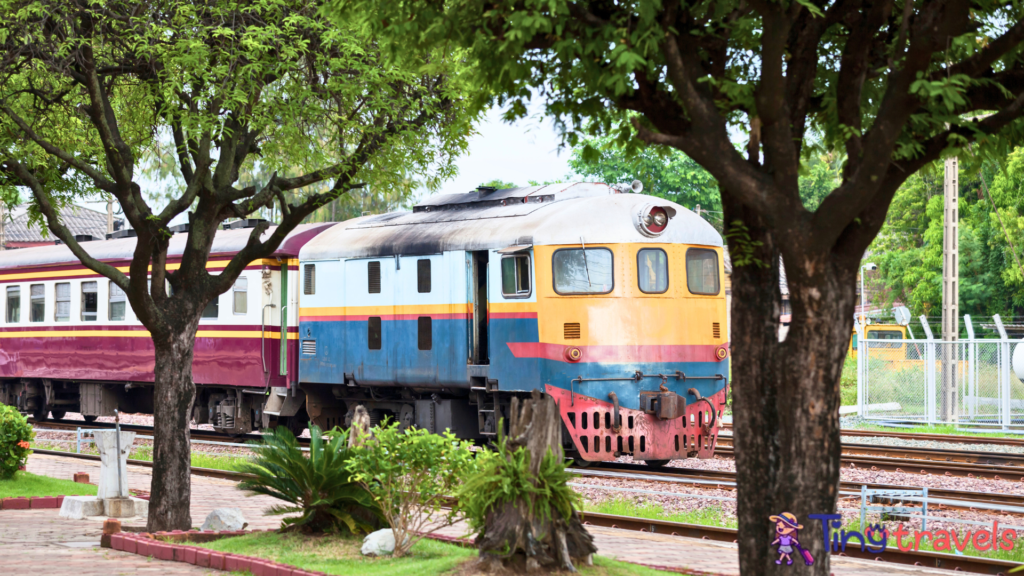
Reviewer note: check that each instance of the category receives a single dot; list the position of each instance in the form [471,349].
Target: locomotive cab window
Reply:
[885,335]
[241,296]
[37,303]
[62,313]
[652,271]
[583,271]
[90,303]
[13,304]
[117,303]
[515,276]
[702,271]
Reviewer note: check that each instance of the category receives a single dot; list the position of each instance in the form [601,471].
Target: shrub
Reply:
[503,477]
[15,435]
[319,486]
[412,474]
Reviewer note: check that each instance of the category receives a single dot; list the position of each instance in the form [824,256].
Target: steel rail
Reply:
[195,434]
[726,480]
[951,438]
[893,555]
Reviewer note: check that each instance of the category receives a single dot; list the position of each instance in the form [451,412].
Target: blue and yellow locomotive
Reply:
[611,302]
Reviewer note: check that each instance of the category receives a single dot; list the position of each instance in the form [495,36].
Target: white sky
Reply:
[518,152]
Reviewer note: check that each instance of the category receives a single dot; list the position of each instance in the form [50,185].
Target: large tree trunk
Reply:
[172,398]
[786,395]
[513,536]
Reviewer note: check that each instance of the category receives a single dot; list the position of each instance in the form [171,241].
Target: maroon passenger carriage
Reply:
[70,342]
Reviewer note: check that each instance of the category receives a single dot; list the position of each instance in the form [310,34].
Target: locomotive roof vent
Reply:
[126,233]
[243,223]
[485,190]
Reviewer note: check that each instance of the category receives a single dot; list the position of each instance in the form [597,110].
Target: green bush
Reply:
[412,474]
[503,477]
[15,435]
[319,486]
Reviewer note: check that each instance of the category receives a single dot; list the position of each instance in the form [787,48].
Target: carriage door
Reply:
[477,262]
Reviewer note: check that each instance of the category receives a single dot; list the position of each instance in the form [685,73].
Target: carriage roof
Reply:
[556,214]
[121,249]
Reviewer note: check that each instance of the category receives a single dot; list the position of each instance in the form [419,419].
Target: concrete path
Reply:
[42,541]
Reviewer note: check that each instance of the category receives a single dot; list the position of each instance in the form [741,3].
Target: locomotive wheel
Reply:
[297,425]
[58,414]
[581,463]
[656,463]
[90,419]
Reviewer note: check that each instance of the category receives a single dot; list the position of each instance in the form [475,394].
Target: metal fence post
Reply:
[971,394]
[863,505]
[924,510]
[78,440]
[929,371]
[862,371]
[1004,374]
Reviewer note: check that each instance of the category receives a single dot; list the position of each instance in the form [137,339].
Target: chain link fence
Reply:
[968,382]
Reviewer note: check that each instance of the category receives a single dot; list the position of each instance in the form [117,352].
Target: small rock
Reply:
[222,519]
[379,543]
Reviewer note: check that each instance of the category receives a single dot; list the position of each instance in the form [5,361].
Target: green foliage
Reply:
[500,184]
[15,436]
[25,484]
[319,486]
[411,474]
[908,249]
[503,477]
[711,515]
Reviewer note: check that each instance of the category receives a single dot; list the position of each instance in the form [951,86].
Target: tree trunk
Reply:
[786,395]
[515,538]
[172,405]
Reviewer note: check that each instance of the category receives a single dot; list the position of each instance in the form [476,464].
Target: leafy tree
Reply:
[894,86]
[90,87]
[500,184]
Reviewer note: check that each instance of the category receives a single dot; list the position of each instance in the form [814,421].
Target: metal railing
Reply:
[967,382]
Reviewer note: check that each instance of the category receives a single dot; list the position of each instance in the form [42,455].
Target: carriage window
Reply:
[373,336]
[14,303]
[579,271]
[37,303]
[373,276]
[309,279]
[118,303]
[423,276]
[90,303]
[652,270]
[212,309]
[241,296]
[702,271]
[62,313]
[425,340]
[515,276]
[885,335]
[853,344]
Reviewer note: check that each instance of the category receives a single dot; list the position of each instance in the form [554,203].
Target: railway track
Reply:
[726,480]
[195,434]
[914,460]
[951,438]
[892,554]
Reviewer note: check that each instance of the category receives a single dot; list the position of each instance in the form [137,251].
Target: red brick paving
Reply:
[31,538]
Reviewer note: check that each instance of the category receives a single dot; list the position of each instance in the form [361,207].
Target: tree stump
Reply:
[513,537]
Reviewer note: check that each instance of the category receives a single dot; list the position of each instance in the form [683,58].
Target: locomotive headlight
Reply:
[652,220]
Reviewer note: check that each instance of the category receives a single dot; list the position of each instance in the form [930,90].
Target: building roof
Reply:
[78,219]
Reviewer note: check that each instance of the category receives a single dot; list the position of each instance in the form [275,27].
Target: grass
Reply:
[937,429]
[848,382]
[145,453]
[1016,554]
[619,506]
[340,555]
[27,484]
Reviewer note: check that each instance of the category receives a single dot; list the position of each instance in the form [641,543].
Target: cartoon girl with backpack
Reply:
[786,532]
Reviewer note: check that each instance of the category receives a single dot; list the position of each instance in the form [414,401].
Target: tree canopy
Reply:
[260,105]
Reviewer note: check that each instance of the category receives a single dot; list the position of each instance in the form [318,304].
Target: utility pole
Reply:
[950,288]
[110,216]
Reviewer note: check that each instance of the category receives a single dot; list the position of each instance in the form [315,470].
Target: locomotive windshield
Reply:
[702,271]
[579,273]
[652,270]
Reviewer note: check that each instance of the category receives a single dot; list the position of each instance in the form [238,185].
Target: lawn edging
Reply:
[31,502]
[173,546]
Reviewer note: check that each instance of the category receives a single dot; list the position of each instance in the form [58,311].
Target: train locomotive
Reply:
[609,301]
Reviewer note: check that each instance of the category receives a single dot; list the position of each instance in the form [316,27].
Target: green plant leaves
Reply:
[15,435]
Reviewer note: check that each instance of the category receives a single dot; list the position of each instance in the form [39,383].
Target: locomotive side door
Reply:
[476,262]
